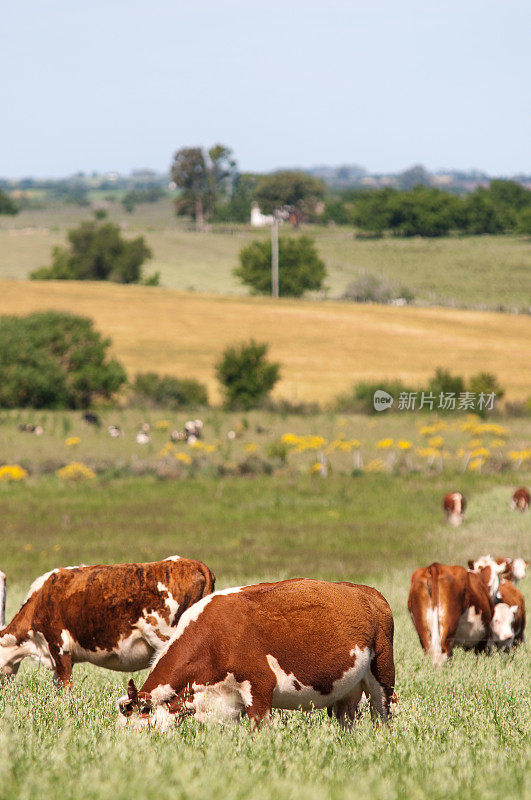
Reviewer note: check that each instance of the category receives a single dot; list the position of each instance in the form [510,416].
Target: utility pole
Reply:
[274,257]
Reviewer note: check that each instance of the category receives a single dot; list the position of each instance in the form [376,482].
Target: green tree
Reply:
[7,206]
[246,375]
[289,188]
[485,383]
[204,179]
[168,391]
[300,268]
[54,360]
[97,252]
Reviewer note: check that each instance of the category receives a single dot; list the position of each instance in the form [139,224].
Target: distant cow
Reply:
[521,499]
[454,505]
[449,606]
[508,622]
[91,419]
[114,616]
[296,644]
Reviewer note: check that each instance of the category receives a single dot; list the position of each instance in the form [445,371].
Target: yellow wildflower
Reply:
[75,471]
[184,458]
[383,443]
[12,472]
[436,441]
[404,445]
[376,465]
[73,441]
[252,447]
[162,424]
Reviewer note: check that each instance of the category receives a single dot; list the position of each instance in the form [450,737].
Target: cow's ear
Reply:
[514,609]
[132,691]
[470,564]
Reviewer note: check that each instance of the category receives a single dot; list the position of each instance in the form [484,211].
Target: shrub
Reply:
[97,252]
[300,268]
[54,360]
[444,382]
[246,376]
[360,398]
[369,288]
[485,383]
[7,206]
[168,391]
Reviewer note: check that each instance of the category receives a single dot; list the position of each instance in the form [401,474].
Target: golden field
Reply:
[323,347]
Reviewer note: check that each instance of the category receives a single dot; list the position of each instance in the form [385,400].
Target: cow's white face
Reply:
[503,624]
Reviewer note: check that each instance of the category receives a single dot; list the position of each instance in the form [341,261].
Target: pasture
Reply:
[461,732]
[476,271]
[323,348]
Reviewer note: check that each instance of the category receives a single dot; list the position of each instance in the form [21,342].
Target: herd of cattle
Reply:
[293,644]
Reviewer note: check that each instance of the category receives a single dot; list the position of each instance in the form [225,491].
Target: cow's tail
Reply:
[434,615]
[2,600]
[210,579]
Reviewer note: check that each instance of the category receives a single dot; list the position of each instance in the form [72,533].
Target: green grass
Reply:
[474,271]
[461,732]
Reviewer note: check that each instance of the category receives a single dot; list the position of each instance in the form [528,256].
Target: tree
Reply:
[203,179]
[97,252]
[246,375]
[169,391]
[54,360]
[7,206]
[300,268]
[290,189]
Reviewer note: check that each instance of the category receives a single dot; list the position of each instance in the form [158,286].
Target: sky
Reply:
[116,85]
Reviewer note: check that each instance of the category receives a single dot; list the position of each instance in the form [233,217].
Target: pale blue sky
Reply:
[121,84]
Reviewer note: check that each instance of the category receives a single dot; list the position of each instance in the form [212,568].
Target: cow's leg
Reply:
[379,682]
[261,700]
[63,668]
[346,710]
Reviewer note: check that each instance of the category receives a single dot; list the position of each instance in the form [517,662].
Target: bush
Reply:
[485,383]
[300,268]
[444,382]
[97,252]
[54,360]
[246,375]
[369,288]
[168,391]
[7,206]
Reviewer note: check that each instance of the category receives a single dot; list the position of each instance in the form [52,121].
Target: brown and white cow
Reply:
[508,622]
[521,499]
[449,606]
[514,568]
[115,616]
[454,505]
[491,572]
[295,644]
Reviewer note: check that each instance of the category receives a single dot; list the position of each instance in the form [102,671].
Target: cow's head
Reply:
[503,625]
[135,707]
[489,572]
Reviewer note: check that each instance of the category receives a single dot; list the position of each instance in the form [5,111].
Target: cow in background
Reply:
[449,606]
[454,505]
[508,622]
[521,499]
[116,616]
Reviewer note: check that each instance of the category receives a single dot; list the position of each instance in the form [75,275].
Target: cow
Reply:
[491,572]
[454,505]
[508,622]
[115,616]
[295,644]
[521,499]
[449,606]
[514,568]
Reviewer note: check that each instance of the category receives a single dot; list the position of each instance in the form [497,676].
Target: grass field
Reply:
[461,732]
[323,348]
[473,271]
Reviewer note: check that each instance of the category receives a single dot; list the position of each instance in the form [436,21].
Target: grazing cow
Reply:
[521,499]
[450,606]
[114,431]
[514,568]
[115,616]
[295,644]
[491,572]
[454,505]
[508,622]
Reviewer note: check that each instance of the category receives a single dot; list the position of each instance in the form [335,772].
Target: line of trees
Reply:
[505,207]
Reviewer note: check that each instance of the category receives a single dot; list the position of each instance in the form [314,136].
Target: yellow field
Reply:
[323,347]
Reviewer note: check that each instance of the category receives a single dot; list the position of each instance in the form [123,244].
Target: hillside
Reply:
[476,271]
[323,347]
